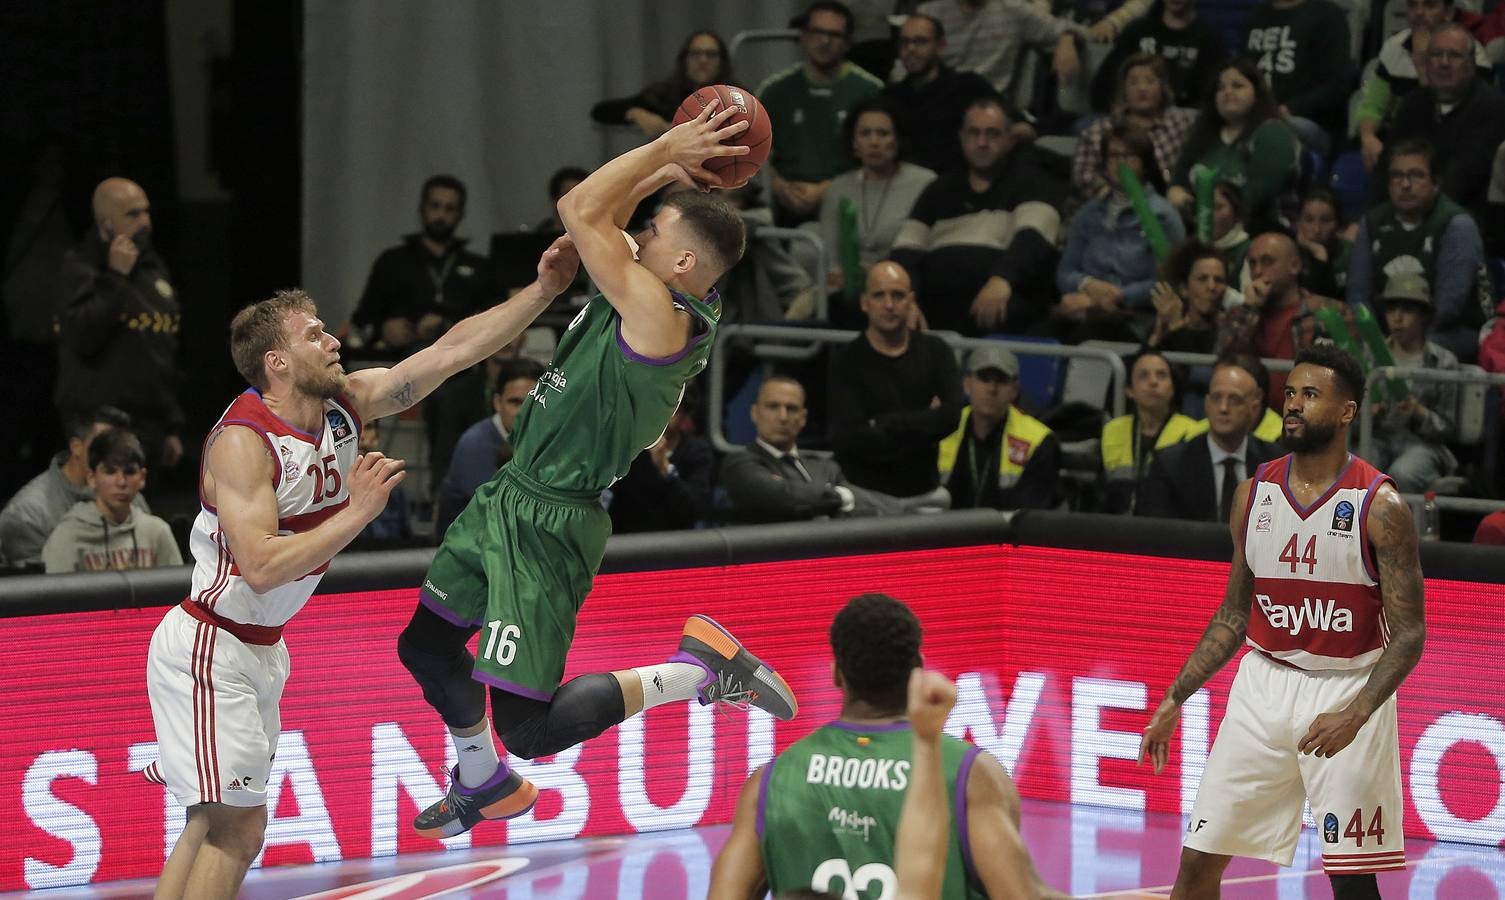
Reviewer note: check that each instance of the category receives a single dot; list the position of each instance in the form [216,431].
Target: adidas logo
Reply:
[471,749]
[658,683]
[234,785]
[1266,501]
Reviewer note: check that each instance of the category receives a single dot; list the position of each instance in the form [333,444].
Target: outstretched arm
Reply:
[738,873]
[1224,635]
[382,392]
[1393,536]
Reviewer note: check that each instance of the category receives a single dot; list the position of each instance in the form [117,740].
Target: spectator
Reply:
[895,394]
[1493,224]
[1421,230]
[806,104]
[1195,480]
[928,102]
[999,456]
[1324,249]
[1130,441]
[31,515]
[989,37]
[983,240]
[1461,115]
[1107,272]
[109,532]
[880,192]
[668,486]
[1397,73]
[391,527]
[1143,100]
[487,445]
[1229,234]
[1277,316]
[118,320]
[417,290]
[1188,301]
[1240,137]
[561,182]
[1303,48]
[773,482]
[1190,47]
[773,283]
[702,59]
[1411,435]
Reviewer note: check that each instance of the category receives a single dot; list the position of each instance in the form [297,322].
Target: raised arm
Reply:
[738,873]
[924,824]
[238,473]
[1224,635]
[1392,534]
[382,392]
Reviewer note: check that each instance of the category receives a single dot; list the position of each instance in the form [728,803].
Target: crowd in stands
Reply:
[1236,182]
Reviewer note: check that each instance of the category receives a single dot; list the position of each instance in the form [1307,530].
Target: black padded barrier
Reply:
[29,595]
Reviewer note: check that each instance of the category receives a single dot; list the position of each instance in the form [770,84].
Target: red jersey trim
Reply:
[1379,480]
[348,405]
[308,521]
[1305,512]
[261,635]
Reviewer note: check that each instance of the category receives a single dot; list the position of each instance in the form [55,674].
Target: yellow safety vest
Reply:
[1121,437]
[1268,430]
[1022,436]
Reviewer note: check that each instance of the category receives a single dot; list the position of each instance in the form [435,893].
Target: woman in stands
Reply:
[1188,301]
[1144,99]
[703,59]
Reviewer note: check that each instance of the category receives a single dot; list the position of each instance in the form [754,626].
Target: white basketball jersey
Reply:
[1316,593]
[310,485]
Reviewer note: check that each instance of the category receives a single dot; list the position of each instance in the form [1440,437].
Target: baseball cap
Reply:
[1411,287]
[992,357]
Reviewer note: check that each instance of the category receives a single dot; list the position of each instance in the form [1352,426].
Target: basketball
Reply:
[734,170]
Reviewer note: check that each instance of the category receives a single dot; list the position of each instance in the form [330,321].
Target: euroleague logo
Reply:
[738,100]
[423,885]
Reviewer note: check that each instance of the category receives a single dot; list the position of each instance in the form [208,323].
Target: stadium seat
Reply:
[1039,376]
[1350,181]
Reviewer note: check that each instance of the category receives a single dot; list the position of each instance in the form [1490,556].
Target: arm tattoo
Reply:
[1401,588]
[1224,634]
[404,396]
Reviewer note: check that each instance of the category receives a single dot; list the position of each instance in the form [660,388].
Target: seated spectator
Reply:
[1130,441]
[1228,232]
[1493,224]
[1422,230]
[1462,115]
[1270,426]
[999,456]
[1196,479]
[1303,49]
[981,243]
[1190,46]
[1411,435]
[771,282]
[702,59]
[391,527]
[1241,137]
[773,482]
[668,486]
[1398,72]
[1277,316]
[109,533]
[1324,249]
[1106,274]
[865,207]
[561,182]
[487,445]
[895,393]
[1189,300]
[989,37]
[928,102]
[1144,100]
[805,105]
[37,508]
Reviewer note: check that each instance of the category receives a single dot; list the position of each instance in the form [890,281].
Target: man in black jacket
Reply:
[1196,479]
[117,321]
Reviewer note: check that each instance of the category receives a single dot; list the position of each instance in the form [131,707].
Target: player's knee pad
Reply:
[1355,887]
[581,709]
[444,675]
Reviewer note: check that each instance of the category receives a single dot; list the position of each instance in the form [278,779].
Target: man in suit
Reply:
[773,482]
[1196,479]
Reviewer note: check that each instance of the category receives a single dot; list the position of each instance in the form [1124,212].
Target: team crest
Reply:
[290,468]
[339,426]
[1264,522]
[1018,451]
[1343,516]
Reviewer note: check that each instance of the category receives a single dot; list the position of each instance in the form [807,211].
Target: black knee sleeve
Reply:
[434,652]
[1355,887]
[581,709]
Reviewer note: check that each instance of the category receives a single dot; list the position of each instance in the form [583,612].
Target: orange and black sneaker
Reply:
[734,676]
[504,795]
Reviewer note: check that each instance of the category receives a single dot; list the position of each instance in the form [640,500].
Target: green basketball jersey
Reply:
[599,404]
[828,811]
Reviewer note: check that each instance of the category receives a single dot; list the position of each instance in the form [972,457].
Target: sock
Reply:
[477,756]
[670,682]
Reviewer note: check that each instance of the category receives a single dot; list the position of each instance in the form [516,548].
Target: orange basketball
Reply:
[758,137]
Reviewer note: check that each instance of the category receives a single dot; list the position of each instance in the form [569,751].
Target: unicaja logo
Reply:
[851,821]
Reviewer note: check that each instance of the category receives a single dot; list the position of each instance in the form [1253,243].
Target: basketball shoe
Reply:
[504,796]
[733,676]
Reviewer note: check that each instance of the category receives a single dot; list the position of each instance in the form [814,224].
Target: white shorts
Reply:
[215,705]
[1250,800]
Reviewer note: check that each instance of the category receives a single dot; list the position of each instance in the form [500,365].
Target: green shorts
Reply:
[517,563]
